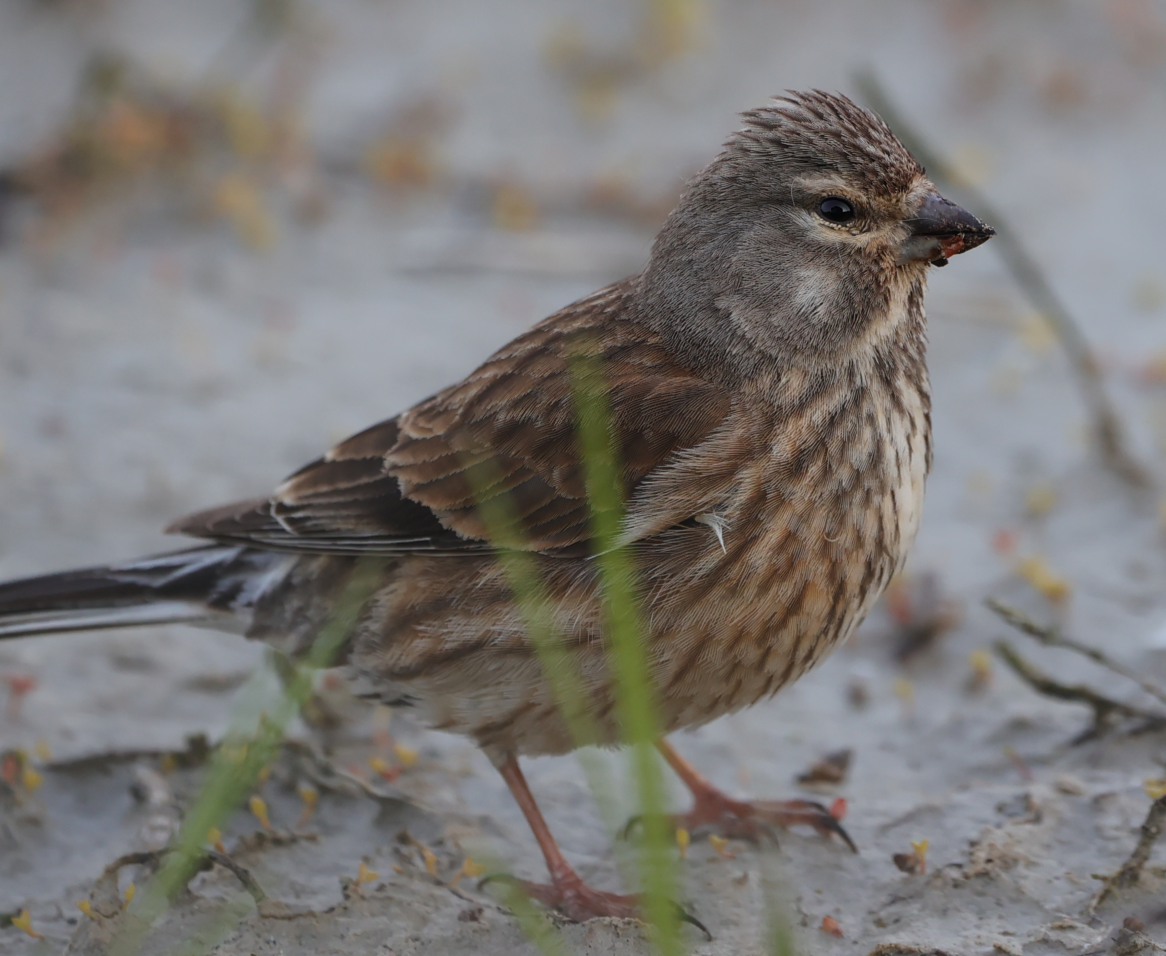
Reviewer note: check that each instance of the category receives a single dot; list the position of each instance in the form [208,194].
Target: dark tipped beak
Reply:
[940,229]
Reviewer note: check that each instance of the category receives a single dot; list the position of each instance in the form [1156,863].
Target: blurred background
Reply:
[233,232]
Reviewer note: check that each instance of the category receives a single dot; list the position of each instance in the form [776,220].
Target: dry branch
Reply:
[1050,636]
[152,857]
[241,873]
[1105,709]
[1131,871]
[1030,277]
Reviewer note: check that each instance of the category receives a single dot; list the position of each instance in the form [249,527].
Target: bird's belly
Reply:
[731,618]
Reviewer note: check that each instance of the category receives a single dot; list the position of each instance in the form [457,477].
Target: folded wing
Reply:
[496,453]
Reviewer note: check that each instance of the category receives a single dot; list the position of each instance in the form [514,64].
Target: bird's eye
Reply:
[836,210]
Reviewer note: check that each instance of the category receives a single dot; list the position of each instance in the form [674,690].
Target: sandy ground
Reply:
[152,364]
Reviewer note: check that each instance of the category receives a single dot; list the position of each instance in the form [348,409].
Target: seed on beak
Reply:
[940,229]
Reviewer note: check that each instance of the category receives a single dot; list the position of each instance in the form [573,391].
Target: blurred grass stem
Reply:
[238,761]
[628,655]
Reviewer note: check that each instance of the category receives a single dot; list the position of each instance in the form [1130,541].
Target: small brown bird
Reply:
[769,402]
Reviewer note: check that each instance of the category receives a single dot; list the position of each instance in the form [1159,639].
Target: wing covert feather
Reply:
[413,483]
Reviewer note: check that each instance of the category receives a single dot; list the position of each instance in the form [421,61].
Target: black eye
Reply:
[836,210]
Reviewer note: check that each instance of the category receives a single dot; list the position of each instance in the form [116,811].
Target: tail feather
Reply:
[93,619]
[208,585]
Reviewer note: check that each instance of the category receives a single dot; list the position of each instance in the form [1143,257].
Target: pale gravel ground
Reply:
[168,369]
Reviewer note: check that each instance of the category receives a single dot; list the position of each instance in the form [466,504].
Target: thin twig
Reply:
[132,859]
[328,776]
[210,856]
[242,874]
[1104,709]
[1131,871]
[1050,636]
[1030,277]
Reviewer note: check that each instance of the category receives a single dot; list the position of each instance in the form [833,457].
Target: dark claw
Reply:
[633,822]
[831,825]
[687,917]
[823,821]
[493,877]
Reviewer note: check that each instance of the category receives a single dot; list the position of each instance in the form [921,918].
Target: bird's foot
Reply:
[577,901]
[570,896]
[718,813]
[746,819]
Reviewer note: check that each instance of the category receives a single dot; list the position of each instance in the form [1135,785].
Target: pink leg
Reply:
[566,892]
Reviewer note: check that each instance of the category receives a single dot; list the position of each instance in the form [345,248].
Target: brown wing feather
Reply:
[341,503]
[509,429]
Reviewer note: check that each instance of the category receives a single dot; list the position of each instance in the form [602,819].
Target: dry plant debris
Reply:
[830,927]
[18,775]
[721,845]
[19,687]
[906,949]
[1052,637]
[23,921]
[920,612]
[324,775]
[980,677]
[830,770]
[1036,571]
[384,769]
[104,901]
[258,807]
[207,146]
[668,30]
[1130,872]
[1131,939]
[469,869]
[428,857]
[365,875]
[858,694]
[1105,709]
[405,155]
[1017,761]
[914,862]
[905,691]
[310,798]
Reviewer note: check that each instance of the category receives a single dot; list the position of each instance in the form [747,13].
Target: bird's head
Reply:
[810,228]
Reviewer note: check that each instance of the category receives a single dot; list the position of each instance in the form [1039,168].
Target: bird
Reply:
[767,394]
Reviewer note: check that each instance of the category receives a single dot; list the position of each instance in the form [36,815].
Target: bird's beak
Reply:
[939,230]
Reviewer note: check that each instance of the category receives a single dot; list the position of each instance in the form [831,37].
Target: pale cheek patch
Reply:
[813,288]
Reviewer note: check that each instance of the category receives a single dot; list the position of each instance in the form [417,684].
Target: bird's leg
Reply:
[715,810]
[566,892]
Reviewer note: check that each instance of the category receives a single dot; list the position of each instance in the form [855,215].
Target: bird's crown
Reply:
[818,130]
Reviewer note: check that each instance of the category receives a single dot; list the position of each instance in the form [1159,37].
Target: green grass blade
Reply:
[628,655]
[237,762]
